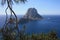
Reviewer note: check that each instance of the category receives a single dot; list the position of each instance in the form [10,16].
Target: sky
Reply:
[44,7]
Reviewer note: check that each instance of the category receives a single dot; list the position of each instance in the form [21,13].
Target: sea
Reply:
[48,23]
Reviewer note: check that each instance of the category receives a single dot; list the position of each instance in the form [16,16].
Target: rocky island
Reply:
[31,15]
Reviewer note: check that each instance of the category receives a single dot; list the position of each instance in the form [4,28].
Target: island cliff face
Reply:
[31,15]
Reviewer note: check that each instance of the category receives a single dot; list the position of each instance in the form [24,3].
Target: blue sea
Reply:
[48,23]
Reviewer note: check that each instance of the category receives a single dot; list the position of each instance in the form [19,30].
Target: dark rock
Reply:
[31,15]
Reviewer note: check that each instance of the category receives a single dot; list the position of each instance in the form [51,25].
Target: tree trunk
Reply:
[14,15]
[6,15]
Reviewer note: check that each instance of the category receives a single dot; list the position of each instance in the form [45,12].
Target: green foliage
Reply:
[7,35]
[22,33]
[11,1]
[52,35]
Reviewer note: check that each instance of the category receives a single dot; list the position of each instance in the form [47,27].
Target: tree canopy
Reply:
[11,1]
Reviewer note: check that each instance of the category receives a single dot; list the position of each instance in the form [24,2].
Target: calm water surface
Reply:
[45,25]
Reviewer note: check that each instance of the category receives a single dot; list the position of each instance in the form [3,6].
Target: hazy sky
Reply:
[44,7]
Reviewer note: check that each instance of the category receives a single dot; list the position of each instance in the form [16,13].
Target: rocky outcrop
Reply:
[31,15]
